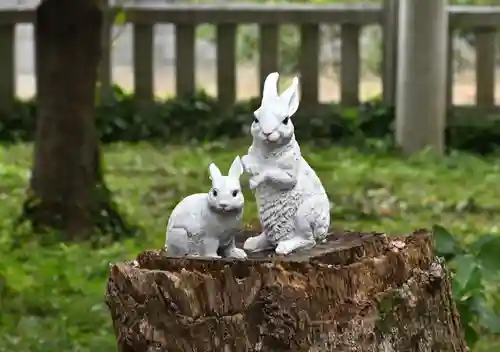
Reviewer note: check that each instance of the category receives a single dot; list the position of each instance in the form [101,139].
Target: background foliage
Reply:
[476,273]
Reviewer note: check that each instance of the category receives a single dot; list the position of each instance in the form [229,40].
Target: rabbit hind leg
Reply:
[302,238]
[177,243]
[305,232]
[314,216]
[295,243]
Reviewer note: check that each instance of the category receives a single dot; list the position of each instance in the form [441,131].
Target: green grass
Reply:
[51,297]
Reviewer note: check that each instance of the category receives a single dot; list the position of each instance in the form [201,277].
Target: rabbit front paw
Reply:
[255,181]
[249,165]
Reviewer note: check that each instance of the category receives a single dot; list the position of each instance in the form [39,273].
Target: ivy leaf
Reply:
[465,267]
[490,321]
[488,253]
[479,241]
[471,336]
[445,242]
[467,315]
[475,284]
[487,317]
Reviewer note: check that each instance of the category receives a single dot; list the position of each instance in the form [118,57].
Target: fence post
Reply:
[390,50]
[421,76]
[485,66]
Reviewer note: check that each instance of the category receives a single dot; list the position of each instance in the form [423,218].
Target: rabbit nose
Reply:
[224,205]
[267,133]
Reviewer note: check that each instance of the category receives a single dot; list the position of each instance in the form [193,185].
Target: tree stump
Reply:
[355,292]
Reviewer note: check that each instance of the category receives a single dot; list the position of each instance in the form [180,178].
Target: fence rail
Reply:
[483,21]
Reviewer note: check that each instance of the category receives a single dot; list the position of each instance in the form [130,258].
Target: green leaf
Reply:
[489,253]
[481,240]
[17,280]
[471,336]
[475,283]
[472,288]
[445,242]
[491,321]
[467,315]
[465,266]
[487,317]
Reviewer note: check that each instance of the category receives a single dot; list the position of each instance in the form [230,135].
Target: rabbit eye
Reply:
[255,120]
[235,193]
[285,121]
[214,192]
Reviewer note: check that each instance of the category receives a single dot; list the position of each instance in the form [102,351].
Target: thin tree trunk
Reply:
[67,34]
[357,292]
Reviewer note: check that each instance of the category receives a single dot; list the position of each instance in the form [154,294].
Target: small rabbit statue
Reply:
[204,223]
[293,206]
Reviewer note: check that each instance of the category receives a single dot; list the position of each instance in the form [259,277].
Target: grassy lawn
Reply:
[51,297]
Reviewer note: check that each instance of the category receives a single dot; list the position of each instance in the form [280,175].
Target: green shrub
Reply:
[198,118]
[475,275]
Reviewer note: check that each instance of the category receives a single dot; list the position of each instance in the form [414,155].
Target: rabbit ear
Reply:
[236,168]
[215,173]
[256,113]
[270,89]
[290,97]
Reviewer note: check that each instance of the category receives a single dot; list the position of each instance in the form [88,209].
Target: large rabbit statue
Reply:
[294,209]
[204,224]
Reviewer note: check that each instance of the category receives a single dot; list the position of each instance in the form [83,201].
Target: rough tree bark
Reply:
[357,292]
[67,188]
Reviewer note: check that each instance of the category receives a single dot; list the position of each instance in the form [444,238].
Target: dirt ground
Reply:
[248,86]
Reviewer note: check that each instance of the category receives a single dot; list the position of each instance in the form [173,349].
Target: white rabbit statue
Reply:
[204,223]
[293,206]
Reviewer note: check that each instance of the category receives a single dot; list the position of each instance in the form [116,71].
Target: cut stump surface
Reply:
[356,292]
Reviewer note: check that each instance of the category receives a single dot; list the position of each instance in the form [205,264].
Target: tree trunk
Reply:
[356,292]
[67,37]
[67,187]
